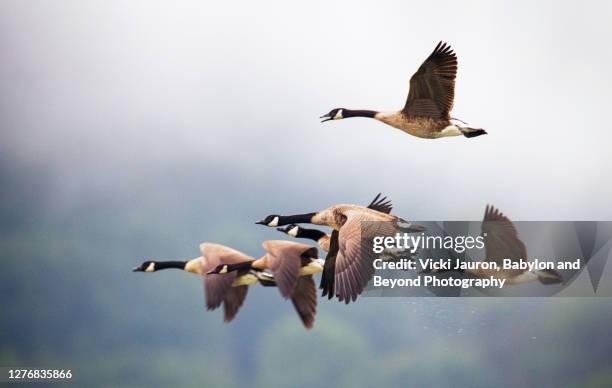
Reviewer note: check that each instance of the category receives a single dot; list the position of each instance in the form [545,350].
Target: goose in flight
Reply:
[501,242]
[231,289]
[355,226]
[292,265]
[426,113]
[326,241]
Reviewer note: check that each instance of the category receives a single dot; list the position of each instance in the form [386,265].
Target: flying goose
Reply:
[327,241]
[501,242]
[218,289]
[231,288]
[426,113]
[353,263]
[293,265]
[287,260]
[323,239]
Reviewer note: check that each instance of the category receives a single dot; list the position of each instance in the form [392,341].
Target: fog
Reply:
[92,88]
[140,129]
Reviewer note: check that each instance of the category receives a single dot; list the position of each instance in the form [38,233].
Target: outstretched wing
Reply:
[354,262]
[432,87]
[382,205]
[234,298]
[501,239]
[216,286]
[304,300]
[284,259]
[329,268]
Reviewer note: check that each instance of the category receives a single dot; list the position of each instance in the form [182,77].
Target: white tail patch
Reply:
[455,129]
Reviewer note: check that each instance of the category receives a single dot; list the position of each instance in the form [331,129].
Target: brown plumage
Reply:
[432,87]
[426,113]
[230,288]
[351,262]
[304,299]
[501,242]
[284,259]
[218,288]
[329,243]
[292,265]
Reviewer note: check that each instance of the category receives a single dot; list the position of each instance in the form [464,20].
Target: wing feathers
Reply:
[304,300]
[432,87]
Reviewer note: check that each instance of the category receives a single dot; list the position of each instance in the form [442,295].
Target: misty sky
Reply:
[107,88]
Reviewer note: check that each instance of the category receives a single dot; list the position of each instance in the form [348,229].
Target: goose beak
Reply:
[136,269]
[281,229]
[262,222]
[325,118]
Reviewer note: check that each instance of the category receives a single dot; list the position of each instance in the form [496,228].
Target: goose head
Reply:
[292,230]
[220,269]
[334,114]
[147,266]
[272,220]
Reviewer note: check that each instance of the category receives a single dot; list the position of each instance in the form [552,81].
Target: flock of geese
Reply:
[347,268]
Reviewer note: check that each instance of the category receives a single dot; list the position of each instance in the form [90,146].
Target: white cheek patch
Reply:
[293,232]
[338,115]
[150,268]
[224,269]
[274,222]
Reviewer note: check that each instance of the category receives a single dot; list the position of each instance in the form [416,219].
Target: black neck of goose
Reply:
[295,219]
[311,234]
[245,265]
[358,113]
[170,264]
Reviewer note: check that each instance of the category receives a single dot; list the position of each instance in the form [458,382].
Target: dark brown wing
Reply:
[217,285]
[501,239]
[432,87]
[284,259]
[382,205]
[304,300]
[354,263]
[329,268]
[234,298]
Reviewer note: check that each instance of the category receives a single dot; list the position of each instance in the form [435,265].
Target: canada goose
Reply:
[323,239]
[287,260]
[501,242]
[331,247]
[231,288]
[292,265]
[329,243]
[353,265]
[218,289]
[426,113]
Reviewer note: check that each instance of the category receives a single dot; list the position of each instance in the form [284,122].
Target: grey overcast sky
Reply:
[89,86]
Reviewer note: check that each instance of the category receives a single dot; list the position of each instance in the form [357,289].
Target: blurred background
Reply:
[136,130]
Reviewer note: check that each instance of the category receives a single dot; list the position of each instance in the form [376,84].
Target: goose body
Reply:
[351,260]
[292,265]
[230,289]
[426,113]
[501,242]
[288,261]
